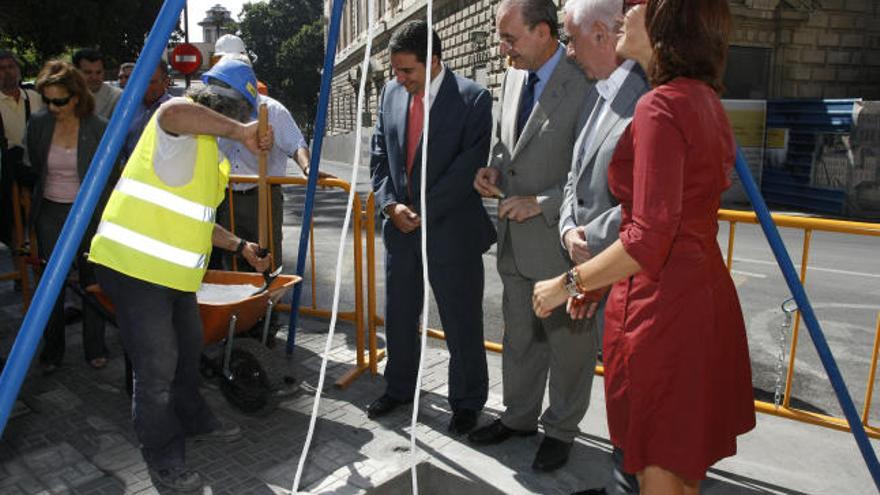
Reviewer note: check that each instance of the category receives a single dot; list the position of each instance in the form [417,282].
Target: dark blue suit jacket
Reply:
[458,144]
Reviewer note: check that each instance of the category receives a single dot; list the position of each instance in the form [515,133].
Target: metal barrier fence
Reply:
[366,319]
[809,225]
[20,250]
[363,221]
[785,410]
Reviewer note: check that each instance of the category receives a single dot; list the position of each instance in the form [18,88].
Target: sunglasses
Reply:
[58,102]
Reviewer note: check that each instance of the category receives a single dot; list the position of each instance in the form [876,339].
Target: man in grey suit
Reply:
[589,217]
[542,100]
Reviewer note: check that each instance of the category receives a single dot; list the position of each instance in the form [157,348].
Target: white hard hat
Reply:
[229,43]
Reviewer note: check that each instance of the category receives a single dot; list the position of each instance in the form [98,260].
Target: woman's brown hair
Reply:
[689,38]
[65,74]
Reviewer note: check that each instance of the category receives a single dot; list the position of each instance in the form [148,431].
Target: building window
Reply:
[748,73]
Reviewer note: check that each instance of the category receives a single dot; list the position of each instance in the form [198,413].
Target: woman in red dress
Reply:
[677,373]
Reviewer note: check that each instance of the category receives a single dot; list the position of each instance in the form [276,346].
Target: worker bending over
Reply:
[152,248]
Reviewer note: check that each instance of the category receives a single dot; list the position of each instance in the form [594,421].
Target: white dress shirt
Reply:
[288,139]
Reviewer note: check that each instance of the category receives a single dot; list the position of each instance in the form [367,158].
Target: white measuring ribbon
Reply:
[341,250]
[423,187]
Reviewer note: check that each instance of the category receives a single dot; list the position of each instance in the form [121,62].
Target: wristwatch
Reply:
[240,247]
[573,283]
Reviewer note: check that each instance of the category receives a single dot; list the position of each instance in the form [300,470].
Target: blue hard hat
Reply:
[238,75]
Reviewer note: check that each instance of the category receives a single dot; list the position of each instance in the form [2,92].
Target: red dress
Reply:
[677,374]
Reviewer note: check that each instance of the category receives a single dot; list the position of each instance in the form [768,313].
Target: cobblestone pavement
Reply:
[71,433]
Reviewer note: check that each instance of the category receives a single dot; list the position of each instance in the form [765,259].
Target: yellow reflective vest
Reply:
[159,233]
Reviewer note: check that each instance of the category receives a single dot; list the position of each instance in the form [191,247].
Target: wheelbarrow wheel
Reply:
[248,388]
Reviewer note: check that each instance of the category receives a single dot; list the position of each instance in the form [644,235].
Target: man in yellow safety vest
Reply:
[152,248]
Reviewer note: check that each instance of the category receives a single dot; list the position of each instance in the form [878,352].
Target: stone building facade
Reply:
[779,49]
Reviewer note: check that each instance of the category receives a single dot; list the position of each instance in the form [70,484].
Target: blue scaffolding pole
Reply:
[93,184]
[806,309]
[320,124]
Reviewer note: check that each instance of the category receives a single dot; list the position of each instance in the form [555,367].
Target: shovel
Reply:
[268,278]
[263,201]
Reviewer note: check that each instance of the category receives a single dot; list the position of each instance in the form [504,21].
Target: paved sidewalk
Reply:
[72,434]
[71,431]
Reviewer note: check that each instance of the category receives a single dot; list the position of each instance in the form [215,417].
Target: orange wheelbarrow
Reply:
[250,374]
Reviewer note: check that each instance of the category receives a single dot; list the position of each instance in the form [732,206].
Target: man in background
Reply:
[91,63]
[124,74]
[155,95]
[289,143]
[17,104]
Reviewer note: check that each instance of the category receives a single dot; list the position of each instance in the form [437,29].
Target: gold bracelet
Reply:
[572,283]
[577,280]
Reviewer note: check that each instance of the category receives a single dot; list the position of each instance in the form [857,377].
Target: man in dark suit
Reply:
[459,229]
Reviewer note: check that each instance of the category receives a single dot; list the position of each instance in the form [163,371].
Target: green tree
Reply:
[43,29]
[301,58]
[287,37]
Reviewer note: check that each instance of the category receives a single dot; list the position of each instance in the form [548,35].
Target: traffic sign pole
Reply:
[186,33]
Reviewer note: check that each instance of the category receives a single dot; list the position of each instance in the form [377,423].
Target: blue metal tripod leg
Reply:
[320,124]
[803,304]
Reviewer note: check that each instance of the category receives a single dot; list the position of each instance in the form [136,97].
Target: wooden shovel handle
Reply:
[262,182]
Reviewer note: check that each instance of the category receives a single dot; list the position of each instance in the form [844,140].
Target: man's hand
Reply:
[251,253]
[321,173]
[575,241]
[548,295]
[248,136]
[403,218]
[519,208]
[485,183]
[302,157]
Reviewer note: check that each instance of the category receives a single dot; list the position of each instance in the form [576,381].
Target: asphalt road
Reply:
[843,283]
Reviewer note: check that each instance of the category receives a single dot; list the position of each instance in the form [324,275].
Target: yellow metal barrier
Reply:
[808,225]
[20,210]
[362,219]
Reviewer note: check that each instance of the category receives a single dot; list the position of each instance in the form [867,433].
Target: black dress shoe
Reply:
[463,421]
[552,454]
[496,432]
[383,405]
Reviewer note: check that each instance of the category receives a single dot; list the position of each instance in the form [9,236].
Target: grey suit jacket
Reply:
[538,164]
[587,200]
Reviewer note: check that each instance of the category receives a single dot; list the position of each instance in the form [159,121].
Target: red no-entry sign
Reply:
[186,58]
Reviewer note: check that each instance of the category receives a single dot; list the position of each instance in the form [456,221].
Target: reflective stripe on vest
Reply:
[150,246]
[165,199]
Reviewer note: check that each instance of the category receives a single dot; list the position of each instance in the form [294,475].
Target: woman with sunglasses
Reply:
[61,142]
[677,374]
